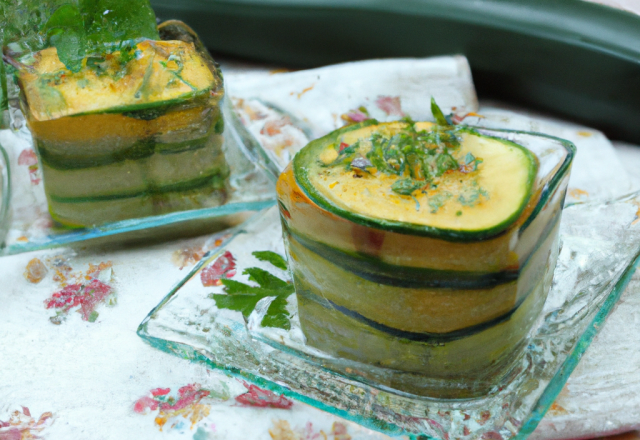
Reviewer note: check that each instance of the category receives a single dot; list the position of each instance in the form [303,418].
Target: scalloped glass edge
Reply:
[604,304]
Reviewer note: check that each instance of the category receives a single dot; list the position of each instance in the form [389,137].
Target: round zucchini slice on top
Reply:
[426,179]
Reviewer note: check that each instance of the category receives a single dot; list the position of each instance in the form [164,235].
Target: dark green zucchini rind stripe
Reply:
[432,338]
[154,111]
[151,110]
[139,150]
[309,154]
[377,271]
[551,186]
[215,180]
[219,126]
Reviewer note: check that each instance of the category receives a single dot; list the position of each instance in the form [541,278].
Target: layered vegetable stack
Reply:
[132,130]
[419,247]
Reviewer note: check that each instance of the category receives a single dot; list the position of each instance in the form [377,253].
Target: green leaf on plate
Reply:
[243,297]
[277,314]
[265,279]
[239,303]
[271,257]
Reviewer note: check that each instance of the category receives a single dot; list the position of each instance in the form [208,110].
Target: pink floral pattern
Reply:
[282,430]
[263,398]
[391,105]
[22,426]
[224,266]
[355,116]
[172,410]
[28,158]
[80,291]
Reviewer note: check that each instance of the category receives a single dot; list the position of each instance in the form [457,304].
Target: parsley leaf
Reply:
[76,28]
[65,31]
[277,314]
[470,163]
[110,21]
[436,202]
[243,297]
[444,163]
[239,303]
[276,259]
[265,279]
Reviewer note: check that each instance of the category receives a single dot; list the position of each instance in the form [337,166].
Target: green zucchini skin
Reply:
[431,338]
[140,149]
[375,270]
[444,318]
[463,363]
[445,309]
[309,154]
[213,181]
[78,213]
[589,70]
[464,368]
[152,110]
[172,159]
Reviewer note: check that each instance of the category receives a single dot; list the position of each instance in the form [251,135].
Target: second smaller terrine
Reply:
[134,133]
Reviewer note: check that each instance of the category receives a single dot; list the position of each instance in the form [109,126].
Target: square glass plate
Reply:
[26,225]
[600,245]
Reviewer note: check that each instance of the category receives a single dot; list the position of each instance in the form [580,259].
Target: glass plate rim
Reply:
[5,195]
[76,235]
[538,410]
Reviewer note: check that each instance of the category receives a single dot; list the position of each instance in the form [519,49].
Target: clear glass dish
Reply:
[5,191]
[28,225]
[599,249]
[240,184]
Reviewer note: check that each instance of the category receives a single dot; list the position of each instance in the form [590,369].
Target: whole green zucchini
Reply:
[577,59]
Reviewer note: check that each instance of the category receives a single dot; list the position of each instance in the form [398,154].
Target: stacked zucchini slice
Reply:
[133,133]
[419,247]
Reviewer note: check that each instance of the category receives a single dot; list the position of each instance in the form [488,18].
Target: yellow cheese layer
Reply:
[457,201]
[160,72]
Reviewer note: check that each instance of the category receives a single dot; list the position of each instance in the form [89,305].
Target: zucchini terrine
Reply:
[133,133]
[419,247]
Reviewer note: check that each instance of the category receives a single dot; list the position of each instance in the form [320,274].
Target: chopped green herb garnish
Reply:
[445,162]
[406,186]
[436,201]
[472,196]
[177,73]
[416,157]
[470,163]
[437,114]
[417,203]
